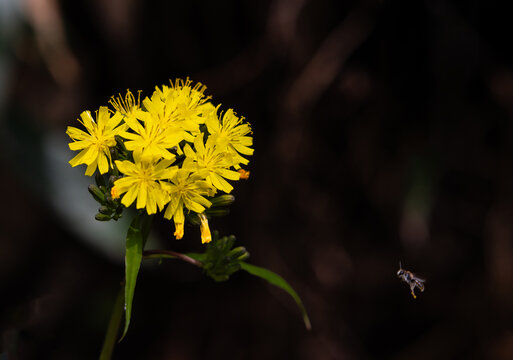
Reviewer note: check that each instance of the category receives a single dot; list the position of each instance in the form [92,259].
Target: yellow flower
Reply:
[186,189]
[142,181]
[151,139]
[186,103]
[231,134]
[180,106]
[212,160]
[128,107]
[96,142]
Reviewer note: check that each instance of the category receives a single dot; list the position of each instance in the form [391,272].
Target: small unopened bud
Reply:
[237,252]
[105,210]
[100,180]
[102,217]
[193,218]
[112,179]
[217,212]
[120,142]
[98,195]
[225,243]
[222,200]
[243,256]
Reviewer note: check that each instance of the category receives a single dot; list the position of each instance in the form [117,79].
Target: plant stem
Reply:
[160,254]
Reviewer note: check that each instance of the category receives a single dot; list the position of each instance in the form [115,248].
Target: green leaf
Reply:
[135,239]
[113,329]
[278,281]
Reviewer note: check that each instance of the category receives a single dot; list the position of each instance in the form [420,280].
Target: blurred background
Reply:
[383,133]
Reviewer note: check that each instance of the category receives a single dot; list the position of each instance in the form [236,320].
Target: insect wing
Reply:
[420,283]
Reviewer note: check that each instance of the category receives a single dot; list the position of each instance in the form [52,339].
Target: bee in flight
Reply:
[411,279]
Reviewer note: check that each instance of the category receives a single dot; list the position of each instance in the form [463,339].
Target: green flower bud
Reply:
[112,179]
[236,252]
[217,212]
[243,256]
[231,268]
[98,195]
[105,210]
[120,142]
[102,217]
[222,200]
[100,180]
[225,243]
[193,218]
[109,201]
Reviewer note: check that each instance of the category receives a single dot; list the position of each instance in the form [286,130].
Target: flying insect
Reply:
[411,279]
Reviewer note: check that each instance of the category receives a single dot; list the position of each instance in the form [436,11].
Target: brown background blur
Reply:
[383,133]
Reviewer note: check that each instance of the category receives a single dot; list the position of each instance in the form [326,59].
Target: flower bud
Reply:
[193,218]
[243,256]
[222,200]
[112,179]
[217,212]
[120,142]
[102,217]
[98,195]
[105,210]
[237,253]
[100,180]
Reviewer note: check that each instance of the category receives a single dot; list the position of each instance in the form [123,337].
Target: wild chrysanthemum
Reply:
[180,106]
[172,153]
[186,103]
[208,157]
[187,190]
[128,106]
[96,142]
[142,182]
[150,139]
[230,134]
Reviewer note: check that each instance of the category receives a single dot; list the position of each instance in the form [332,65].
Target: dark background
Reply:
[382,133]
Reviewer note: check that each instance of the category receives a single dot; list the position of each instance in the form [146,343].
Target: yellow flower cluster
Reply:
[181,149]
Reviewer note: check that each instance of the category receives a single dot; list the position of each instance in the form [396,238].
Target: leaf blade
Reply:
[135,239]
[280,282]
[113,328]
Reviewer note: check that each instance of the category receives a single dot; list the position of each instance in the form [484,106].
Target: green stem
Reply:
[168,254]
[113,329]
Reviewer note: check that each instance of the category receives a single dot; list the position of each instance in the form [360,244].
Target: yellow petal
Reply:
[206,236]
[103,163]
[91,168]
[178,231]
[142,195]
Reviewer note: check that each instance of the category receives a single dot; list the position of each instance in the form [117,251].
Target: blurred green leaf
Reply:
[113,329]
[278,281]
[135,239]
